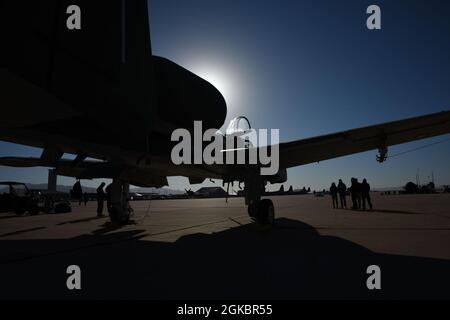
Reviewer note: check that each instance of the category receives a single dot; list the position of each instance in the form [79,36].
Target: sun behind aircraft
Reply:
[99,93]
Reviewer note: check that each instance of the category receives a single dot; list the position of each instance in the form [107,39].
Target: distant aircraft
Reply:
[99,93]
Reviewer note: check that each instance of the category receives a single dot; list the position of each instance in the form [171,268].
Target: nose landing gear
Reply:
[119,207]
[261,210]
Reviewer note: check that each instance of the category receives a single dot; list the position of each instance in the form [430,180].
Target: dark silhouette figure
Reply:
[342,190]
[108,197]
[365,194]
[78,192]
[334,192]
[359,195]
[355,191]
[100,199]
[49,204]
[85,198]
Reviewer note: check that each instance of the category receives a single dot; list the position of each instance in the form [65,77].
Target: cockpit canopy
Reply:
[238,125]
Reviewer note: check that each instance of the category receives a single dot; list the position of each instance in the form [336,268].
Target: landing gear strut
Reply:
[262,211]
[119,207]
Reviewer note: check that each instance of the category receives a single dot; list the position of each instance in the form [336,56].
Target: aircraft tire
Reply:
[119,215]
[252,209]
[265,214]
[34,210]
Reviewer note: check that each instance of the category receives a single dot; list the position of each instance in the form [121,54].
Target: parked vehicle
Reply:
[15,197]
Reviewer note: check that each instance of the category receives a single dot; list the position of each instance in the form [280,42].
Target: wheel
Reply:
[265,213]
[34,210]
[252,209]
[113,215]
[19,212]
[119,214]
[19,207]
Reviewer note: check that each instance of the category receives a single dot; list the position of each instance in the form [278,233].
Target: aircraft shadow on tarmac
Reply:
[21,232]
[395,211]
[12,216]
[380,211]
[79,221]
[291,261]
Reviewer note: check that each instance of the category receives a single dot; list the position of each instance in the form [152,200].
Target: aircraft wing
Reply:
[379,136]
[65,167]
[91,169]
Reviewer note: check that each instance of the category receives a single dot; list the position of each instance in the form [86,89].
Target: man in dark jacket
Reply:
[78,192]
[355,191]
[100,199]
[334,192]
[342,190]
[365,193]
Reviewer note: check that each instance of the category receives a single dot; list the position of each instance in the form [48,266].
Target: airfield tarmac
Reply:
[209,249]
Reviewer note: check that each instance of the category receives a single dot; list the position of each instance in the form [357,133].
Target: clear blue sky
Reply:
[309,68]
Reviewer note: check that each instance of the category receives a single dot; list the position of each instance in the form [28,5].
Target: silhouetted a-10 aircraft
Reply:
[99,93]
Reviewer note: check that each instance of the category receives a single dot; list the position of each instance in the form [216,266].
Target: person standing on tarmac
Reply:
[85,198]
[334,192]
[78,192]
[100,199]
[342,190]
[365,194]
[354,192]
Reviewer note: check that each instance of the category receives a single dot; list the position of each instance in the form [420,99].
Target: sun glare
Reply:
[218,78]
[226,77]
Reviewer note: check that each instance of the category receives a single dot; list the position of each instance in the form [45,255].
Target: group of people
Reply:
[359,192]
[115,195]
